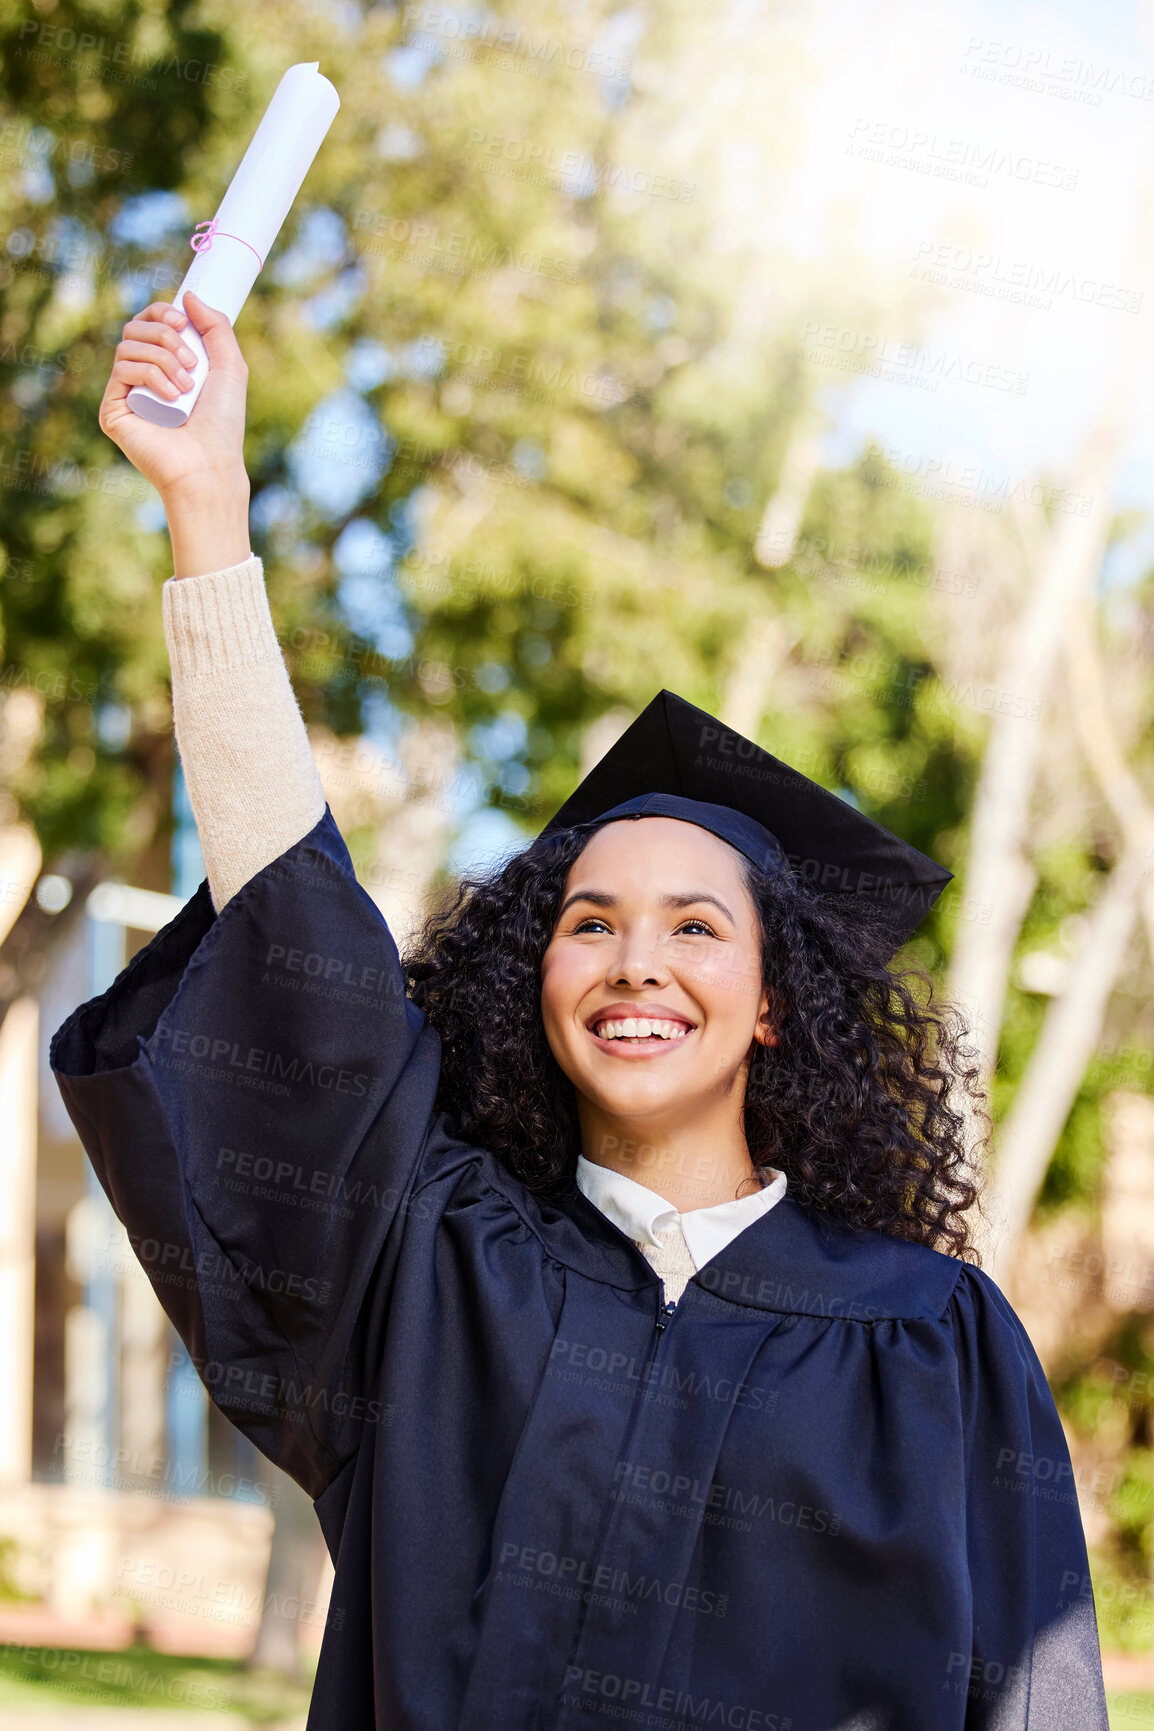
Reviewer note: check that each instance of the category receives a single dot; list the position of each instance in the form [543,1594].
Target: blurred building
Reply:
[127,1502]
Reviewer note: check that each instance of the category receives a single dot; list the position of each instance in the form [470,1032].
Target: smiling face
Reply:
[651,986]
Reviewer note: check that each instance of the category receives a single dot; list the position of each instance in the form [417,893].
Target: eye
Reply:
[590,920]
[701,926]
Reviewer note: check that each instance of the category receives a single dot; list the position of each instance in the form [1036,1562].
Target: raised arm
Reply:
[255,1090]
[252,780]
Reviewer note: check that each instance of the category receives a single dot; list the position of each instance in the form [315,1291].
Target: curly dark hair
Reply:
[865,1102]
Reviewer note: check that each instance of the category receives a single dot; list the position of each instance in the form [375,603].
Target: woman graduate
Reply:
[604,1276]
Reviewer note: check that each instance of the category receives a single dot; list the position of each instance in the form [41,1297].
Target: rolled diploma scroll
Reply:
[229,259]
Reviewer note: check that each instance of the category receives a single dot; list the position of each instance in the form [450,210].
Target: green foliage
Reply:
[42,1677]
[1075,1172]
[1124,1607]
[564,451]
[1107,1407]
[77,602]
[10,1589]
[1130,1710]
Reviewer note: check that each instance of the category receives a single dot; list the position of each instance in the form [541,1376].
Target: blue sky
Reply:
[1060,92]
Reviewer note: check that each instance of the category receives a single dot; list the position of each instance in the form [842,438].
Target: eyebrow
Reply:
[605,899]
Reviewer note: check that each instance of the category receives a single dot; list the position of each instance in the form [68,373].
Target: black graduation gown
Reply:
[828,1491]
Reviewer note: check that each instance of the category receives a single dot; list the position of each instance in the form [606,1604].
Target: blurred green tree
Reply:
[521,386]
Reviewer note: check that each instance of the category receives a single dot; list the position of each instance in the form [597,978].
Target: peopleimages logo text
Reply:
[229,1054]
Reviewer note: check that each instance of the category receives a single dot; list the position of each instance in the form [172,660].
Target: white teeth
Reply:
[641,1028]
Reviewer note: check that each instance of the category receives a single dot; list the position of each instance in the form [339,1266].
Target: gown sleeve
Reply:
[254,1092]
[1035,1663]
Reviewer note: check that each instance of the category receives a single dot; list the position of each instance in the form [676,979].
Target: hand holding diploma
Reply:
[232,249]
[208,451]
[172,355]
[197,469]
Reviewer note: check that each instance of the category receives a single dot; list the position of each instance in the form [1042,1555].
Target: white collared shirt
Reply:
[641,1213]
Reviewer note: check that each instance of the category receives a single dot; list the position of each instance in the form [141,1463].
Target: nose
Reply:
[638,962]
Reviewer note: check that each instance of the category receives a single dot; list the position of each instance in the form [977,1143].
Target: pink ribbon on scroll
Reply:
[202,242]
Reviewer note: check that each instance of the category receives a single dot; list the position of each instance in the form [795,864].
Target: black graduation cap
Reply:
[677,761]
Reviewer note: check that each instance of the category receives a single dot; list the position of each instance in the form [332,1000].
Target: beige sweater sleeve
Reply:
[252,780]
